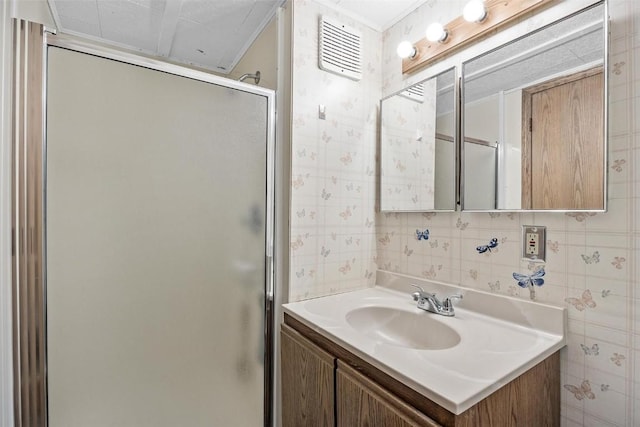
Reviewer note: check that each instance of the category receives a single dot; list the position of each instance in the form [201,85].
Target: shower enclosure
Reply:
[157,243]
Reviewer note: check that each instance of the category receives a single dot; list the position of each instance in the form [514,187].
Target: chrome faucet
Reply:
[429,302]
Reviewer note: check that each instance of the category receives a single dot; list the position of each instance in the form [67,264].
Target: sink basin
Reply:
[402,328]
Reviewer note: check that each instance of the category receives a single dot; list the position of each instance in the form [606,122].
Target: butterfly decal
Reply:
[346,159]
[484,248]
[461,225]
[385,240]
[325,252]
[494,286]
[605,293]
[429,215]
[525,281]
[494,214]
[325,137]
[617,165]
[422,235]
[298,182]
[473,274]
[301,213]
[300,273]
[445,246]
[433,244]
[346,214]
[593,259]
[617,68]
[581,392]
[325,195]
[368,223]
[594,350]
[368,274]
[407,251]
[583,302]
[345,268]
[554,246]
[617,262]
[580,216]
[430,273]
[348,104]
[296,244]
[617,358]
[349,240]
[604,387]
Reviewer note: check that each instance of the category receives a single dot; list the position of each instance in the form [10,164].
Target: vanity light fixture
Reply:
[406,49]
[437,33]
[442,39]
[474,11]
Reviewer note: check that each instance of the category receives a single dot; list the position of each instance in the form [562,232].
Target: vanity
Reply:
[371,357]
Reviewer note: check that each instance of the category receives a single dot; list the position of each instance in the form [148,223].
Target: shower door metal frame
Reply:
[87,47]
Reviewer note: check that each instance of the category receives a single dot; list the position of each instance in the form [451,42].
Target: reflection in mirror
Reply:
[534,120]
[417,148]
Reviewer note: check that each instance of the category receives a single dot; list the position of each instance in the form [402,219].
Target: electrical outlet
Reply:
[534,242]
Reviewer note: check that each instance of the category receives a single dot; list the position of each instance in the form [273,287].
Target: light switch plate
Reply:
[534,242]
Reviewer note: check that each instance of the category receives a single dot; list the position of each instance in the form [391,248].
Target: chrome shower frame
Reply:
[88,47]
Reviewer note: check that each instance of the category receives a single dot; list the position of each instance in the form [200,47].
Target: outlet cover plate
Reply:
[534,243]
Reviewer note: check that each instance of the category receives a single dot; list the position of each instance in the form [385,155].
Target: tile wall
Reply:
[333,182]
[338,239]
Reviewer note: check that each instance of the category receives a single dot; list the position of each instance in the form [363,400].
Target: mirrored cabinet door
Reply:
[534,120]
[418,147]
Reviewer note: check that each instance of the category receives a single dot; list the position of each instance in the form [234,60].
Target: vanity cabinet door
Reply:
[361,402]
[307,382]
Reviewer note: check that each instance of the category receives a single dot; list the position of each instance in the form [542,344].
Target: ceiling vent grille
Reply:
[340,49]
[415,93]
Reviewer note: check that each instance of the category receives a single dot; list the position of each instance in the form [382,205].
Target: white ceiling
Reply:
[378,14]
[212,34]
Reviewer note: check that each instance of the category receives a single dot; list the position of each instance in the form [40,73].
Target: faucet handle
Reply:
[419,287]
[419,294]
[447,303]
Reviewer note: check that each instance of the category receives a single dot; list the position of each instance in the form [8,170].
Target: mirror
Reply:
[417,147]
[534,120]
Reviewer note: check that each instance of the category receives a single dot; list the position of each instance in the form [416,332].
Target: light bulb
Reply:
[436,32]
[474,11]
[406,50]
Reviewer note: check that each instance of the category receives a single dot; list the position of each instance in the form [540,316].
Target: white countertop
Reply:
[500,338]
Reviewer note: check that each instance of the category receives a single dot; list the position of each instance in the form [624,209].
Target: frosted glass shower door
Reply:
[156,191]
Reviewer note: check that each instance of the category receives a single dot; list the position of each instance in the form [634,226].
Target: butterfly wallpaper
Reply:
[590,267]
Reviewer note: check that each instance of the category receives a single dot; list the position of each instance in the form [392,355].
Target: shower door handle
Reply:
[269,285]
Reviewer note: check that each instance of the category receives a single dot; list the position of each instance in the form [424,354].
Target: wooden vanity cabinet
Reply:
[361,402]
[324,384]
[308,382]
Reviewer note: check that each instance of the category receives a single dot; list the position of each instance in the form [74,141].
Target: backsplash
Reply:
[338,239]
